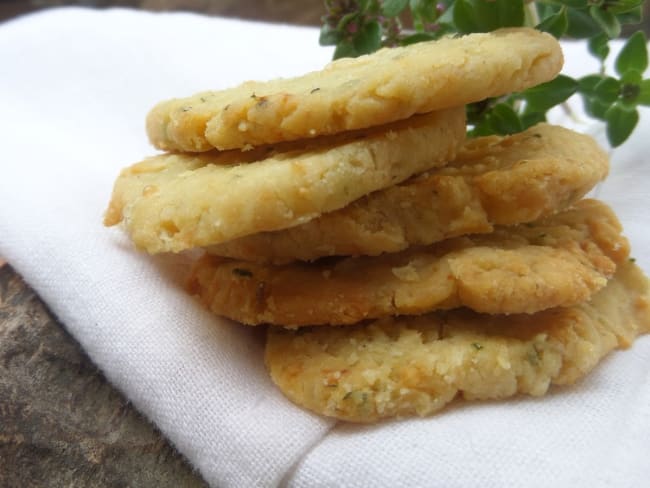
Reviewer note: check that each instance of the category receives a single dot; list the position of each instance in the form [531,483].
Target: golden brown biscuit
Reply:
[493,181]
[389,85]
[406,366]
[176,202]
[559,261]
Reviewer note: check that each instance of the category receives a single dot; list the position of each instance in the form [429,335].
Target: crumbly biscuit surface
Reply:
[349,94]
[493,181]
[558,261]
[407,366]
[174,202]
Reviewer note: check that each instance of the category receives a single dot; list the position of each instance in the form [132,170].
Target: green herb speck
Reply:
[533,357]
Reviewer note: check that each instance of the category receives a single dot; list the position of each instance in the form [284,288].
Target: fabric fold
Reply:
[200,379]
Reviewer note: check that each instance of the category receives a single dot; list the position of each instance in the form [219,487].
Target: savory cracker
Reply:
[558,261]
[389,85]
[174,202]
[493,181]
[407,366]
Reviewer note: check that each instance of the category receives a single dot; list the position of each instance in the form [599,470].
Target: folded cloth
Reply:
[75,87]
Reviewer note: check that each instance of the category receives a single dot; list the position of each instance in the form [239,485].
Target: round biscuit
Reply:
[493,181]
[349,94]
[174,202]
[408,366]
[558,261]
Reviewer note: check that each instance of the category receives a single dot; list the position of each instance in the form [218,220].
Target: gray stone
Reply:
[61,423]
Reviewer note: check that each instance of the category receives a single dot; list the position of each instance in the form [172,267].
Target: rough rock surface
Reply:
[61,423]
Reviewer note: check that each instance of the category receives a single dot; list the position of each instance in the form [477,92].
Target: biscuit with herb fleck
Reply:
[349,94]
[558,261]
[414,366]
[493,181]
[174,202]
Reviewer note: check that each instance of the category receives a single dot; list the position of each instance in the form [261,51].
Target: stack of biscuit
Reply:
[397,264]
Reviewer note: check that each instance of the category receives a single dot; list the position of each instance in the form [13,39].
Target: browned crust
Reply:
[174,202]
[493,181]
[559,261]
[409,366]
[389,85]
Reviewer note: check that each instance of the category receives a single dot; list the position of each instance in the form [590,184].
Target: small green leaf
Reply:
[542,97]
[623,6]
[363,5]
[504,120]
[581,25]
[418,37]
[644,93]
[575,3]
[606,20]
[392,8]
[598,46]
[483,16]
[595,108]
[345,49]
[556,24]
[447,16]
[345,20]
[587,85]
[368,39]
[481,128]
[621,121]
[630,93]
[543,10]
[634,16]
[476,110]
[634,55]
[329,36]
[510,13]
[424,10]
[607,90]
[477,117]
[530,119]
[463,17]
[632,77]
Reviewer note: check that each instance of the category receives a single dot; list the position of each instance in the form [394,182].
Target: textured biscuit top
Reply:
[174,202]
[493,181]
[409,366]
[558,261]
[382,87]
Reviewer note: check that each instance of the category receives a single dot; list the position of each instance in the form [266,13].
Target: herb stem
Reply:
[532,15]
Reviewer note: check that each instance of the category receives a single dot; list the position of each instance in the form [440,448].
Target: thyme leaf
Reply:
[357,27]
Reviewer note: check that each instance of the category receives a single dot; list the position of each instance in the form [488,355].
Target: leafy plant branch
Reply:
[358,27]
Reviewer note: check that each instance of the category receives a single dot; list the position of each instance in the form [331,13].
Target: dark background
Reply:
[307,12]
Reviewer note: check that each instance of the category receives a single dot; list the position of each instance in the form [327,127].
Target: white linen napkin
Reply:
[74,89]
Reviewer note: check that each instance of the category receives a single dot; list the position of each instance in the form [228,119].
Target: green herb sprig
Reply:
[359,27]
